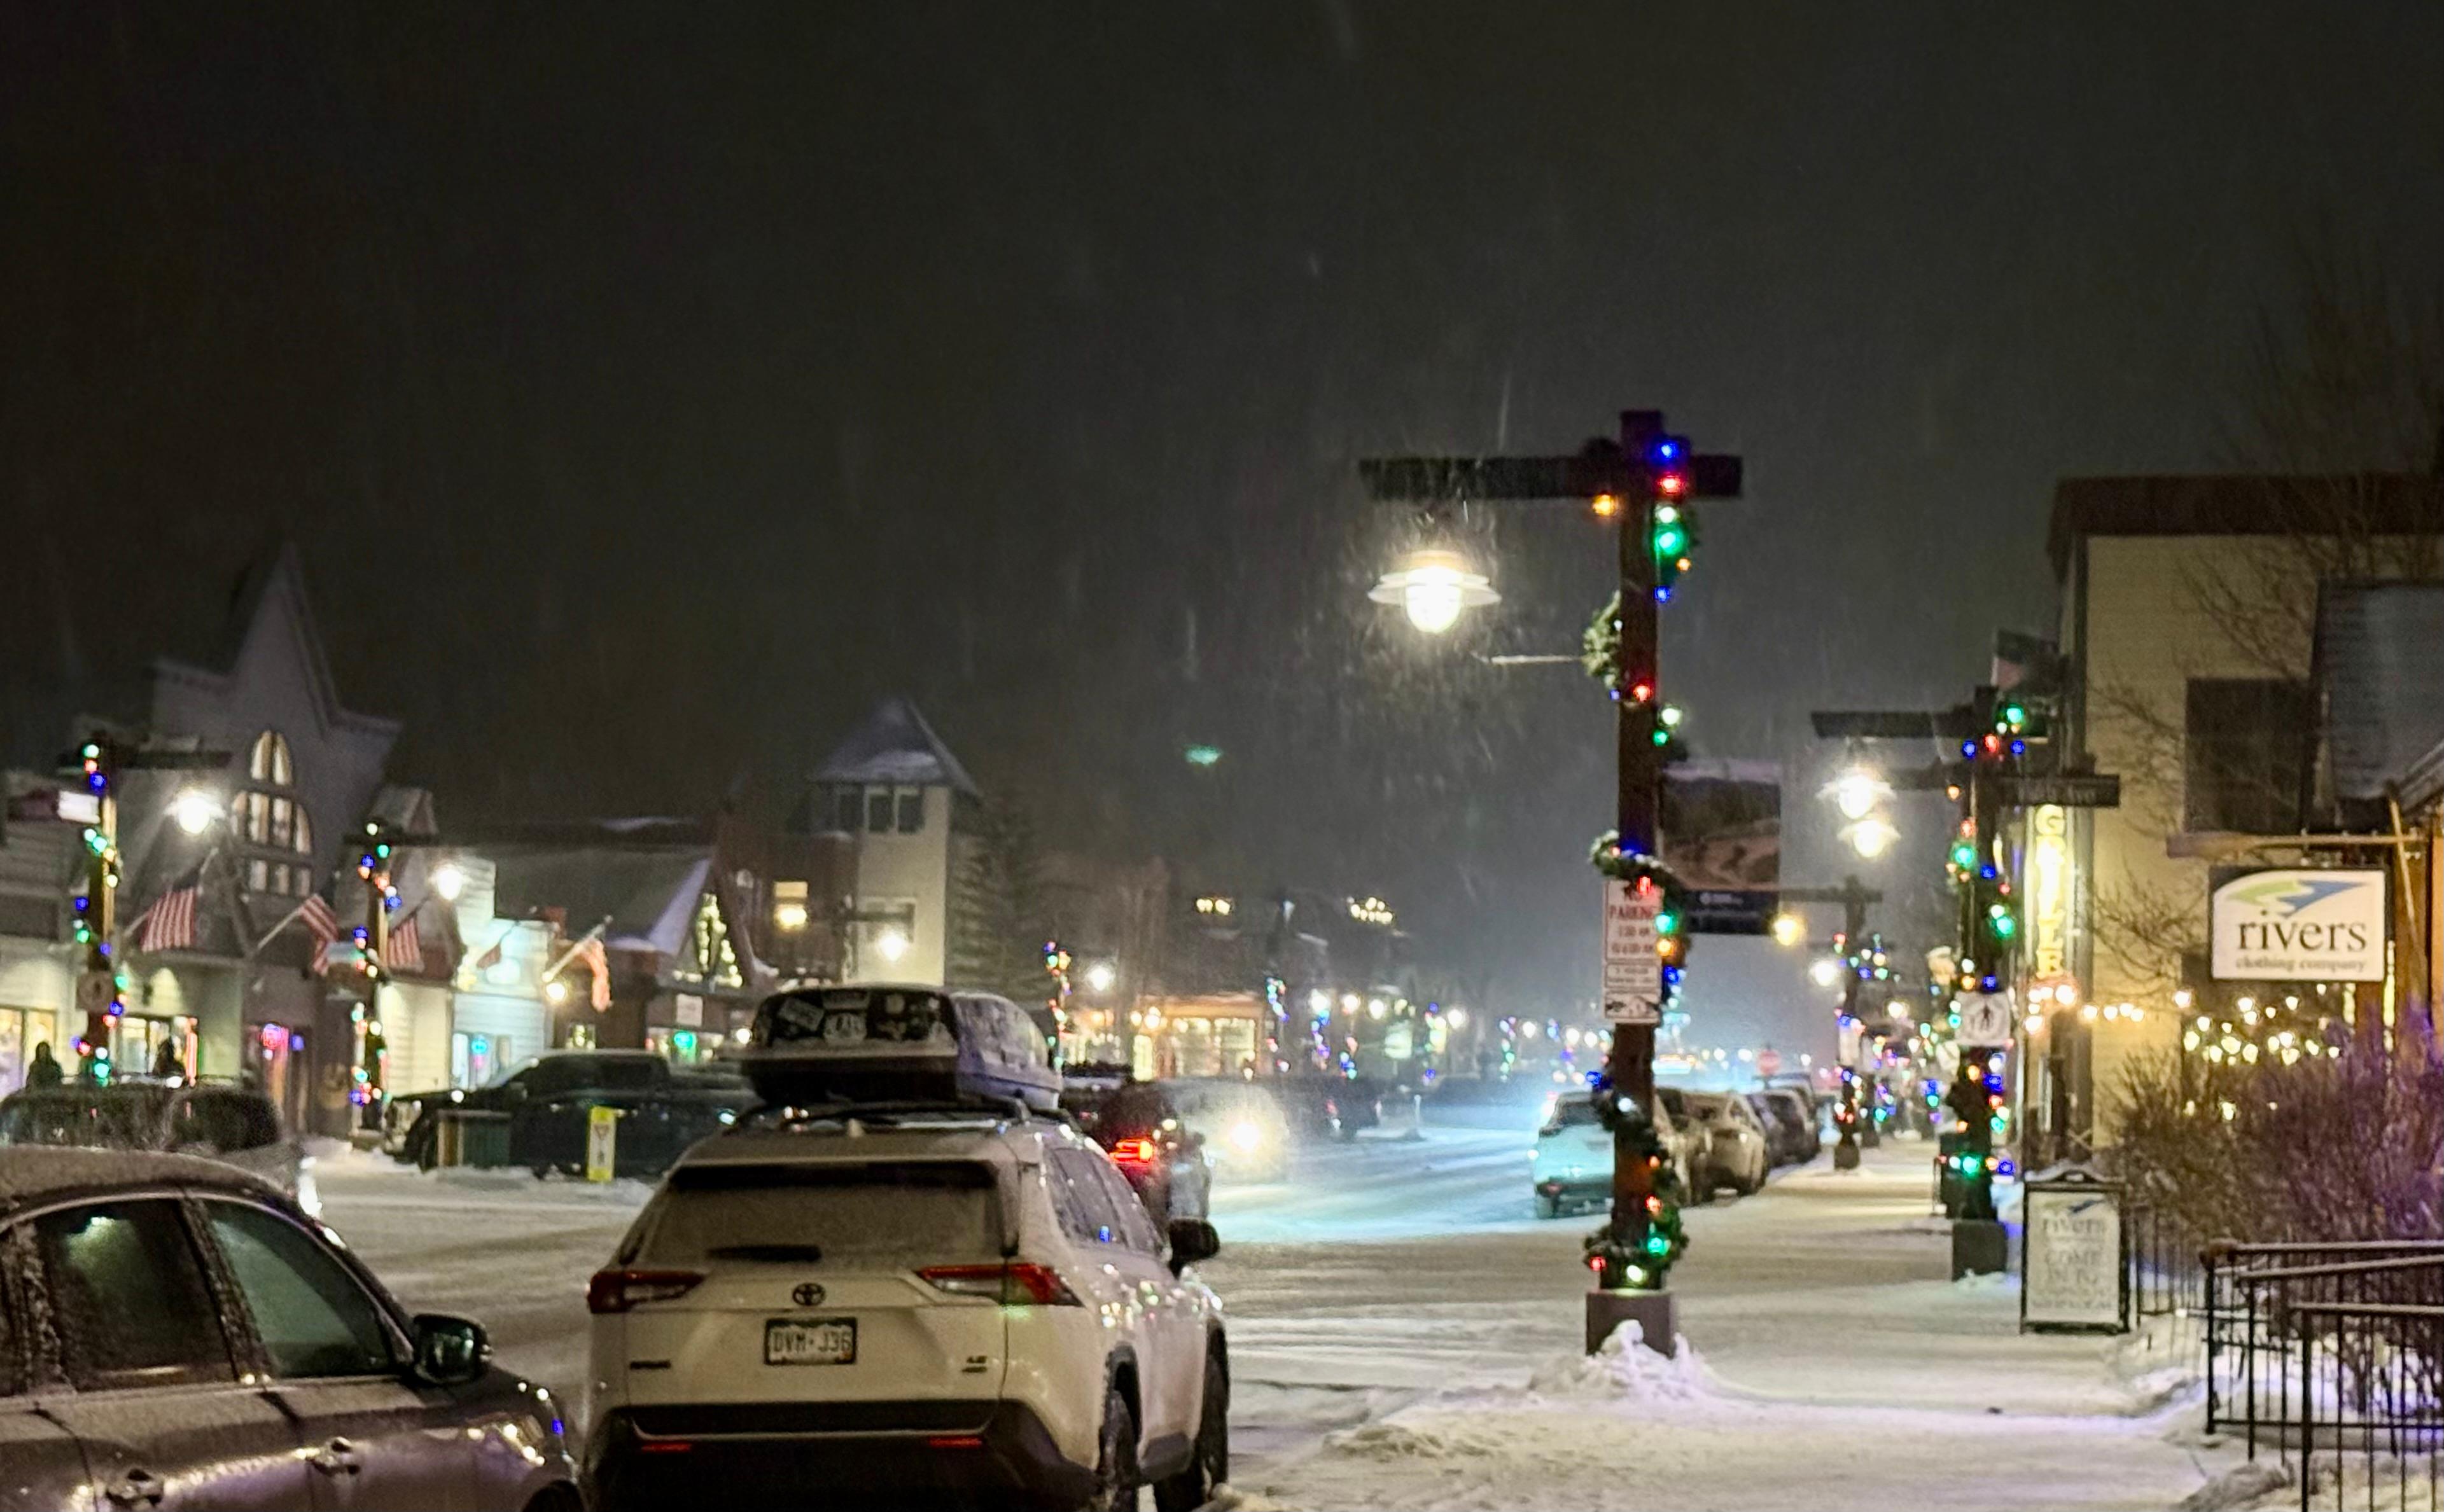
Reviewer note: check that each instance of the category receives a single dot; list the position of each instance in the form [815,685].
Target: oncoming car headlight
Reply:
[1244,1136]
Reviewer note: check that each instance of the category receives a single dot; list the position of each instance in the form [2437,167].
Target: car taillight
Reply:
[615,1291]
[1136,1151]
[1020,1284]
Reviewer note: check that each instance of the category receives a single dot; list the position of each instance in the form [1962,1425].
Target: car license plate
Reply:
[817,1341]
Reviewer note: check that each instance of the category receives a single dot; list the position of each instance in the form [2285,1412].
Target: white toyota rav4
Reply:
[941,1306]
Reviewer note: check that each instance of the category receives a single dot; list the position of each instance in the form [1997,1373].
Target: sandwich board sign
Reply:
[1633,972]
[2074,1254]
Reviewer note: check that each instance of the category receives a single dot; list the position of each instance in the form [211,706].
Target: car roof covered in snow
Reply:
[36,1173]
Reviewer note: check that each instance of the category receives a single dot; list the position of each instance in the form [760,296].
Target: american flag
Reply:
[589,950]
[404,950]
[324,926]
[170,923]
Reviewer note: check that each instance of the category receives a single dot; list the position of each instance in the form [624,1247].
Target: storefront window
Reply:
[21,1029]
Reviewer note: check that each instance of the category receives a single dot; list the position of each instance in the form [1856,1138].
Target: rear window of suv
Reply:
[926,1211]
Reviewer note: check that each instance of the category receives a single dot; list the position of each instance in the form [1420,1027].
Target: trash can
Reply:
[471,1136]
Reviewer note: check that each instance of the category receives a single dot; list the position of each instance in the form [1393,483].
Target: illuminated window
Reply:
[268,761]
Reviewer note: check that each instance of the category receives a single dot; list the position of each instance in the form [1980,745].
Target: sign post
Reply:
[601,1142]
[2074,1255]
[1633,974]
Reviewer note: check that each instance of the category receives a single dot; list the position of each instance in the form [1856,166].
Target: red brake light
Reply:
[1136,1151]
[615,1291]
[1019,1284]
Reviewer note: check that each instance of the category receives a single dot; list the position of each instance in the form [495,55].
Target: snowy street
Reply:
[1390,1310]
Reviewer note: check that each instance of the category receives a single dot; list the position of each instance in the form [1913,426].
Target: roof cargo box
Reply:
[885,1043]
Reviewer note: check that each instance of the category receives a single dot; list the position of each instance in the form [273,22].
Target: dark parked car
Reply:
[175,1333]
[1141,1127]
[1790,1124]
[546,1102]
[217,1119]
[1328,1107]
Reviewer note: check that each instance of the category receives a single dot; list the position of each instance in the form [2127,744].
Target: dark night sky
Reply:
[650,388]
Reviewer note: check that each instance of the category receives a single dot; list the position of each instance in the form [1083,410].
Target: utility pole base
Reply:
[1655,1313]
[1980,1246]
[1868,1138]
[1846,1153]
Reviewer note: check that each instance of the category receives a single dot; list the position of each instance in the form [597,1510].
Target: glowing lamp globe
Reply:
[1870,836]
[1857,792]
[195,811]
[1434,587]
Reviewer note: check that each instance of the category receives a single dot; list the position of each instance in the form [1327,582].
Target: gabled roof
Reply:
[2241,504]
[274,581]
[896,746]
[648,893]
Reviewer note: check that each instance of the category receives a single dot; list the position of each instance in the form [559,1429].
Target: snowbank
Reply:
[1627,1428]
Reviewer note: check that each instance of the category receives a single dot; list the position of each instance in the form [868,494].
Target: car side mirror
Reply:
[450,1351]
[1191,1240]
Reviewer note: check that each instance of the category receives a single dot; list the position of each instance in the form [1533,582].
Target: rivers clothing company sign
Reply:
[2299,924]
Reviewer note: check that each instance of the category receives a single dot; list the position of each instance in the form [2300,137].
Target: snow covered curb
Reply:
[1628,1428]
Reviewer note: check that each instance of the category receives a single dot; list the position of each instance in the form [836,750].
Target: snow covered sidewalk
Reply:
[1828,1365]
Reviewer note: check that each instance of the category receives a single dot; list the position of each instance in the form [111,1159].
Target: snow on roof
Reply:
[31,1174]
[648,893]
[896,746]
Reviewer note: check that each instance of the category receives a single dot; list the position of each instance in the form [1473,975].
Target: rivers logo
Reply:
[2281,905]
[2285,897]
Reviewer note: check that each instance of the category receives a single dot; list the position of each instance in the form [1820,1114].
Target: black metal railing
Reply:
[2334,1351]
[2371,1410]
[2167,1278]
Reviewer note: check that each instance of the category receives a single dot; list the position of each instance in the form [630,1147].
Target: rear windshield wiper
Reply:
[777,1254]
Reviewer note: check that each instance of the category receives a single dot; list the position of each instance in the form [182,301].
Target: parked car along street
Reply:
[543,1104]
[1732,1143]
[1572,1164]
[1790,1119]
[309,1388]
[220,1120]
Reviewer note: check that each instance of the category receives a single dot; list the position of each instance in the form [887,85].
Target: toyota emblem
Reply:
[807,1295]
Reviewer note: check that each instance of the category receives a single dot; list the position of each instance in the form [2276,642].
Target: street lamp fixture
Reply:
[195,810]
[1434,585]
[1825,972]
[1789,929]
[449,879]
[1101,976]
[1857,792]
[1871,837]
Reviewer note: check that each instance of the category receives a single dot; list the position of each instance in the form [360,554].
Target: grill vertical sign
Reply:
[2299,924]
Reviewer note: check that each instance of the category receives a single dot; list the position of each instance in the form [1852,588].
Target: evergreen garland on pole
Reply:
[1643,1268]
